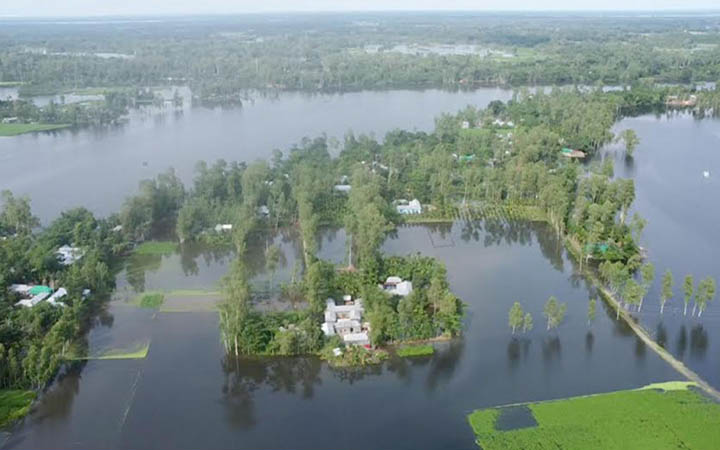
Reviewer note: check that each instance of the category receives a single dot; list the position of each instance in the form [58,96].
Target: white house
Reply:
[223,227]
[55,298]
[343,188]
[346,321]
[30,302]
[263,210]
[397,286]
[69,255]
[412,207]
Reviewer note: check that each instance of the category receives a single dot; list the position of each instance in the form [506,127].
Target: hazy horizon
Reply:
[100,8]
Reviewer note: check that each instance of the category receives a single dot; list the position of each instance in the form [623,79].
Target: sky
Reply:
[65,8]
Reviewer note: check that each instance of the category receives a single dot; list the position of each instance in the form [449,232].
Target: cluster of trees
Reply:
[632,292]
[220,58]
[34,341]
[114,105]
[553,311]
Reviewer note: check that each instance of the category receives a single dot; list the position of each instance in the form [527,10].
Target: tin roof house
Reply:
[397,286]
[411,207]
[346,321]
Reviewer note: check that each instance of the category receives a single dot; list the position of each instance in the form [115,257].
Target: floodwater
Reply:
[681,207]
[99,168]
[187,395]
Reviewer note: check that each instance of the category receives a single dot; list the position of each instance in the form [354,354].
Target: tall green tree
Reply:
[515,317]
[554,312]
[527,324]
[592,305]
[648,276]
[688,287]
[705,294]
[667,289]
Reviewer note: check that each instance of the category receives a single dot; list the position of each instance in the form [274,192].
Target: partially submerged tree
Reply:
[630,139]
[648,276]
[688,284]
[633,292]
[592,305]
[527,325]
[667,289]
[554,312]
[705,293]
[515,317]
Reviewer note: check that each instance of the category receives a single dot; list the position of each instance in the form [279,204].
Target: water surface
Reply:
[186,394]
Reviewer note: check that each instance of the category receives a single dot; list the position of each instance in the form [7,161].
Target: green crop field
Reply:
[13,129]
[415,350]
[155,248]
[660,416]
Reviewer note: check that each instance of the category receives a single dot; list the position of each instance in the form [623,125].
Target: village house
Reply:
[223,227]
[570,153]
[343,188]
[10,120]
[346,321]
[397,286]
[411,207]
[36,294]
[69,255]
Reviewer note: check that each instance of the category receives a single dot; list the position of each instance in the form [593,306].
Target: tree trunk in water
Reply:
[662,307]
[640,305]
[694,307]
[685,310]
[617,317]
[700,313]
[236,346]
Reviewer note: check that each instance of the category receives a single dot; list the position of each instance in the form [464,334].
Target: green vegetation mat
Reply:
[14,129]
[415,350]
[155,248]
[14,405]
[139,352]
[150,300]
[658,416]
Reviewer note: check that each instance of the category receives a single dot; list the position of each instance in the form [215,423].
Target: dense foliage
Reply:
[33,341]
[220,58]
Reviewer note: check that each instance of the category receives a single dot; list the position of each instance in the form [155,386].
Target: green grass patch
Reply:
[138,352]
[155,248]
[14,129]
[150,300]
[14,405]
[658,416]
[415,350]
[10,83]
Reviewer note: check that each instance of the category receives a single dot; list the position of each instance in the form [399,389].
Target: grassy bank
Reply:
[664,415]
[14,405]
[155,248]
[14,129]
[415,350]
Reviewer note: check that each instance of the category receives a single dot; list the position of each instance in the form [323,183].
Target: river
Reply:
[186,394]
[99,168]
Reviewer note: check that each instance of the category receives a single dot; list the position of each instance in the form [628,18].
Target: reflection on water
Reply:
[188,394]
[681,233]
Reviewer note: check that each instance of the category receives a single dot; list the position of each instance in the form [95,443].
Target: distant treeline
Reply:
[218,58]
